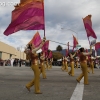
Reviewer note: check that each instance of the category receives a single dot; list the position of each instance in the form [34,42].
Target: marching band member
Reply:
[42,58]
[92,64]
[31,52]
[83,63]
[63,67]
[71,72]
[65,64]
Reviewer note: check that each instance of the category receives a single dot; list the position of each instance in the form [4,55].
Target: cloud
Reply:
[65,14]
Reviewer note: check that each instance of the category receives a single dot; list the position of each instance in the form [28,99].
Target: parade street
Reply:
[58,85]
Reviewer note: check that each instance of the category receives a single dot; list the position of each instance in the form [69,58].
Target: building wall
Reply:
[5,56]
[8,52]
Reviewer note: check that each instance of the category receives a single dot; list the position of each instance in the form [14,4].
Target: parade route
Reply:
[58,85]
[78,92]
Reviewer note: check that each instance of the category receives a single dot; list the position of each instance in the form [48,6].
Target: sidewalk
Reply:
[58,85]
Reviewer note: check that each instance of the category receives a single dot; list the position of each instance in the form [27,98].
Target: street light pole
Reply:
[72,31]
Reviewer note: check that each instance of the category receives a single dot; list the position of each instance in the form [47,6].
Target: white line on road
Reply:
[78,92]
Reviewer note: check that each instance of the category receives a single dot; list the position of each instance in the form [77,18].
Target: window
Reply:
[0,55]
[10,56]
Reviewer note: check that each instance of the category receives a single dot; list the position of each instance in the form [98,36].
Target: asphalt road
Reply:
[58,85]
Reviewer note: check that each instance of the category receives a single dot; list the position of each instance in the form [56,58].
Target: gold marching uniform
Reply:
[71,72]
[42,58]
[51,60]
[76,63]
[88,63]
[65,64]
[83,63]
[46,64]
[92,65]
[63,67]
[84,68]
[35,67]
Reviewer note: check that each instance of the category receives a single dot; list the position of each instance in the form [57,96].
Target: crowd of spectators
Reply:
[12,62]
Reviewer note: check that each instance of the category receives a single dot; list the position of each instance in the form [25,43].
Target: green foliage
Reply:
[57,56]
[59,48]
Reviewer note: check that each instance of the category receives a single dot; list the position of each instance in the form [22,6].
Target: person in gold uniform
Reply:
[65,64]
[76,62]
[35,67]
[83,63]
[42,58]
[46,63]
[63,67]
[71,72]
[51,60]
[92,64]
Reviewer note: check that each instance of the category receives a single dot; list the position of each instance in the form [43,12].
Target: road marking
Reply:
[78,92]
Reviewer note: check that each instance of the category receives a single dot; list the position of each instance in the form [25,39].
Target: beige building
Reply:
[8,52]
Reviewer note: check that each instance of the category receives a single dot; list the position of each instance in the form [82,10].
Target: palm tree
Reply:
[59,48]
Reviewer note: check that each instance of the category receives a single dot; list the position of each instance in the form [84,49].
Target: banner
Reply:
[36,40]
[88,26]
[45,46]
[27,16]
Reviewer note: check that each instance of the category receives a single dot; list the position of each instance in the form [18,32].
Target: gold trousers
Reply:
[47,65]
[36,80]
[43,71]
[63,67]
[66,67]
[71,72]
[76,65]
[50,65]
[92,67]
[84,73]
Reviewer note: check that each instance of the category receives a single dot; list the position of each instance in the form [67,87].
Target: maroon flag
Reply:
[75,42]
[27,16]
[45,46]
[88,26]
[36,40]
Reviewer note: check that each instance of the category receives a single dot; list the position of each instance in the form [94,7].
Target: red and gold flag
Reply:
[88,26]
[28,15]
[75,42]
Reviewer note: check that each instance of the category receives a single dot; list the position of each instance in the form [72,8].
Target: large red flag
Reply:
[27,16]
[88,26]
[75,42]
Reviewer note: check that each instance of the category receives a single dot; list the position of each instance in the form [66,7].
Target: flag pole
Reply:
[89,41]
[68,46]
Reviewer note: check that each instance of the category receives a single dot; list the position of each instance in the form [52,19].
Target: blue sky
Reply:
[66,14]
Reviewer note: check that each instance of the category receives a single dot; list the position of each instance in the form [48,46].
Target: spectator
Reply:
[20,63]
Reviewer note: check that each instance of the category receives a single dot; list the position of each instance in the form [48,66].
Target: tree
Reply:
[57,55]
[59,48]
